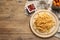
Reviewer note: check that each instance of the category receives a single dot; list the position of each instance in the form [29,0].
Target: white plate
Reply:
[53,30]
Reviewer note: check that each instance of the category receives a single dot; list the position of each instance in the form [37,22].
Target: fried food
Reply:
[56,3]
[44,22]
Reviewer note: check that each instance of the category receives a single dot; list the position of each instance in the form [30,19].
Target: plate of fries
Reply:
[44,23]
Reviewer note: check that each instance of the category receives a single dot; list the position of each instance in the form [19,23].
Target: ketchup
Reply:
[31,7]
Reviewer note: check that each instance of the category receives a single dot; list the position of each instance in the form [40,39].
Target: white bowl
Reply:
[52,31]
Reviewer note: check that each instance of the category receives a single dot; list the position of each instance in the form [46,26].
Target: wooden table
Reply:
[14,24]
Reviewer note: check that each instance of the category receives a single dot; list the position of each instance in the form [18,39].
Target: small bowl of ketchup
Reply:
[31,8]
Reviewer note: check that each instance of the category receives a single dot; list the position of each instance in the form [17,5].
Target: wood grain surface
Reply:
[14,24]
